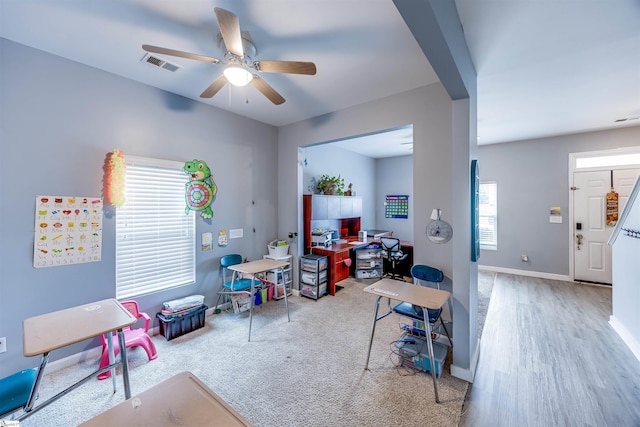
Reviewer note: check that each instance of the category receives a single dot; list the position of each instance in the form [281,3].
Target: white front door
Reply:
[592,254]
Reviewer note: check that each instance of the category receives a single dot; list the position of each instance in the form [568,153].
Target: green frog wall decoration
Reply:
[201,189]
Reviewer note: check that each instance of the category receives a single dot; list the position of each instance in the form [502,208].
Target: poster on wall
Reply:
[396,207]
[68,230]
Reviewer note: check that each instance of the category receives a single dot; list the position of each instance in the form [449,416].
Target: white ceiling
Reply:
[379,145]
[553,67]
[545,67]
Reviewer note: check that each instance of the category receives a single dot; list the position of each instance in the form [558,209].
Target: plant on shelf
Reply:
[331,184]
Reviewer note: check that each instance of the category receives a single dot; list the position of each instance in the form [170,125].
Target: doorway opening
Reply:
[593,175]
[376,164]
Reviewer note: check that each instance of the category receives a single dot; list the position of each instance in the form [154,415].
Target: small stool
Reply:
[15,390]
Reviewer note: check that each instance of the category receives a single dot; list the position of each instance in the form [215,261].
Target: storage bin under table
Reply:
[173,327]
[413,353]
[278,277]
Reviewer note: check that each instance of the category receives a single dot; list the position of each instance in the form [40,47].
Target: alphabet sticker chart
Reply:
[68,230]
[396,207]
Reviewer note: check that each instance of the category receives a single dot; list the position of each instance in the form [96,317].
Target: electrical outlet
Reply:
[3,344]
[524,258]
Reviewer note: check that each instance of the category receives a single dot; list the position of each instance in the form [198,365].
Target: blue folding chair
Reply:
[232,285]
[15,391]
[424,275]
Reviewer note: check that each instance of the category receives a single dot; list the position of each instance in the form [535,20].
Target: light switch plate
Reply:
[3,344]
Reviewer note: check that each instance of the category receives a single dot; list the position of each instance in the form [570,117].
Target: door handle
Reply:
[579,238]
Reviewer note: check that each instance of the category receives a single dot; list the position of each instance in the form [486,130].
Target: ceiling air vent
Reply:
[626,118]
[161,63]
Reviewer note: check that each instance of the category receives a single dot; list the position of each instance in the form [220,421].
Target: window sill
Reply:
[489,247]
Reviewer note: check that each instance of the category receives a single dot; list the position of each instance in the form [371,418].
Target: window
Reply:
[155,239]
[606,161]
[488,215]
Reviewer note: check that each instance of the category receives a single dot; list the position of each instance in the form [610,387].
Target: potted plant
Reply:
[331,184]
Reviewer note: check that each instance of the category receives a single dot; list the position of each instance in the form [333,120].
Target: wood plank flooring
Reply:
[548,357]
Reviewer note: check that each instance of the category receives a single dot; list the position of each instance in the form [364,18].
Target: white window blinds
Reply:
[488,215]
[155,239]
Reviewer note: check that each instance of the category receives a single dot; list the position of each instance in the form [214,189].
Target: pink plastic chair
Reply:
[132,338]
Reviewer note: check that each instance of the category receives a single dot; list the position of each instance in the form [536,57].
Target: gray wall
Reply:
[354,168]
[437,29]
[533,176]
[429,109]
[160,125]
[394,175]
[443,118]
[372,179]
[58,121]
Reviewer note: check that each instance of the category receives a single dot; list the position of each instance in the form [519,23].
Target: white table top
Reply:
[180,400]
[50,331]
[409,292]
[254,267]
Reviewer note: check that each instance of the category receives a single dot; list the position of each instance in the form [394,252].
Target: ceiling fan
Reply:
[239,58]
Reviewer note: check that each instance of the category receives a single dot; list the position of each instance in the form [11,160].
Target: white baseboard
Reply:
[626,336]
[93,354]
[528,273]
[211,311]
[467,374]
[96,352]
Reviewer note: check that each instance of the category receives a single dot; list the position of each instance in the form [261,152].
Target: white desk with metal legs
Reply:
[413,294]
[256,267]
[51,331]
[182,400]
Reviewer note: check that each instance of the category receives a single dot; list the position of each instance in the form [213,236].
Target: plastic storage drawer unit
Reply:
[313,263]
[313,276]
[314,292]
[177,326]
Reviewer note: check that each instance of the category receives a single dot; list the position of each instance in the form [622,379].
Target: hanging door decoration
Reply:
[201,189]
[68,230]
[612,205]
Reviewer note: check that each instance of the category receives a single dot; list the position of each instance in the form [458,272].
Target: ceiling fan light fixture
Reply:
[237,75]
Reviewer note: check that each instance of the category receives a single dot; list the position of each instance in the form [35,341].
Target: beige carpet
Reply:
[308,372]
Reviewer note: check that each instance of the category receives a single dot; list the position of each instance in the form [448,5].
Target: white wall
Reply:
[626,274]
